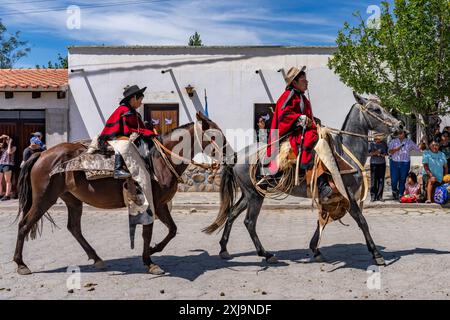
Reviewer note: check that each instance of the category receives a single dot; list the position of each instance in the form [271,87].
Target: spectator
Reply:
[400,162]
[437,135]
[262,132]
[434,169]
[40,136]
[445,146]
[31,149]
[446,129]
[412,187]
[377,151]
[7,151]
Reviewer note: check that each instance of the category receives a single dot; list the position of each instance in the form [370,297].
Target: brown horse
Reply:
[39,191]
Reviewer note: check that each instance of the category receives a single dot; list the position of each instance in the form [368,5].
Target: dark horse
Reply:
[39,191]
[364,116]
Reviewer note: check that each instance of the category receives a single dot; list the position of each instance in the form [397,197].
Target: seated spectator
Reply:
[7,151]
[35,146]
[412,187]
[434,169]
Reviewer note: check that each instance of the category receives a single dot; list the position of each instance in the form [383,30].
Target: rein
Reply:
[165,152]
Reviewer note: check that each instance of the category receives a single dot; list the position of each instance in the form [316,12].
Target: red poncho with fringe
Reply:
[288,109]
[123,122]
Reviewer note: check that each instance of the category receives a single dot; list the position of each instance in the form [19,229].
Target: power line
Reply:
[82,7]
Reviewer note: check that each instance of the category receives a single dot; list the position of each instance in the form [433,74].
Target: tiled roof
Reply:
[47,79]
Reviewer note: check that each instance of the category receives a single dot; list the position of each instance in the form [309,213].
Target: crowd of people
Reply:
[8,160]
[404,182]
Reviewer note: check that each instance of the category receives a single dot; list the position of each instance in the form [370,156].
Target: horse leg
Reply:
[147,232]
[235,212]
[314,244]
[356,213]
[254,208]
[166,218]
[37,210]
[75,209]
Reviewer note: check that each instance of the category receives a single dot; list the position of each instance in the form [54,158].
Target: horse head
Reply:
[211,138]
[378,119]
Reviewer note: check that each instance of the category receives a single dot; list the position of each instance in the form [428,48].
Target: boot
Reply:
[323,187]
[119,172]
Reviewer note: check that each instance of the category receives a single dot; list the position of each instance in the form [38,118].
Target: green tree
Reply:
[404,59]
[62,63]
[11,48]
[195,41]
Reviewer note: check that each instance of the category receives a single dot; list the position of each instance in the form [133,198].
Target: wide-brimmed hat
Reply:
[131,91]
[292,73]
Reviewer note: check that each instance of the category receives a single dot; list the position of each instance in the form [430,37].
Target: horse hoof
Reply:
[23,270]
[318,258]
[155,269]
[272,260]
[100,265]
[380,261]
[225,255]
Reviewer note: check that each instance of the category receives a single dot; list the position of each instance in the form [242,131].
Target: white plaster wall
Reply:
[23,101]
[228,74]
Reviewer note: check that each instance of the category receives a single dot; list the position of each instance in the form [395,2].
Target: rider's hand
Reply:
[304,121]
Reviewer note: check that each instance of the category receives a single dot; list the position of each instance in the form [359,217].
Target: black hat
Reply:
[131,91]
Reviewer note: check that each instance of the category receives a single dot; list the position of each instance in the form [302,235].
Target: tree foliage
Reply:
[195,41]
[11,48]
[61,63]
[404,58]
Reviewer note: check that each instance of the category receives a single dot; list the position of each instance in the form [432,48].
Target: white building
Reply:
[241,82]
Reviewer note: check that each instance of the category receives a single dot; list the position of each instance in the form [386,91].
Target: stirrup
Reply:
[121,174]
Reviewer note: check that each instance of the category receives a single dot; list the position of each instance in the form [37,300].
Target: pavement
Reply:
[414,241]
[211,201]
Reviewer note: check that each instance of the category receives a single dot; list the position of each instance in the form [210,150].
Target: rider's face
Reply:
[136,103]
[301,84]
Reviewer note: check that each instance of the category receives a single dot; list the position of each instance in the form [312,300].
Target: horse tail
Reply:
[228,188]
[24,185]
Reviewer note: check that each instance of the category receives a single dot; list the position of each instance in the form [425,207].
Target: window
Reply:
[162,117]
[263,112]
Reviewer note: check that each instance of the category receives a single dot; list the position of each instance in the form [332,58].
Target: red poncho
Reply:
[123,122]
[286,114]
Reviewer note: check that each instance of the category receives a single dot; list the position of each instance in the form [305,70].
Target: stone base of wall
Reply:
[200,180]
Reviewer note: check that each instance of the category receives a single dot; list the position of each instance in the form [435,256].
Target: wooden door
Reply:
[163,118]
[20,131]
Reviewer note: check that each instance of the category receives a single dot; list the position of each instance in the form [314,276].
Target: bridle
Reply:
[198,132]
[364,109]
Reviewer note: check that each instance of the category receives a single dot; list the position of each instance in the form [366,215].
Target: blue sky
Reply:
[171,22]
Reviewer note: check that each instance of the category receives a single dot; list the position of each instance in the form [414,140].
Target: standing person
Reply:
[7,151]
[434,169]
[378,150]
[35,146]
[399,151]
[445,145]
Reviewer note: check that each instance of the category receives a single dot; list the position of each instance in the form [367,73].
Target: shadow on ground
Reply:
[190,267]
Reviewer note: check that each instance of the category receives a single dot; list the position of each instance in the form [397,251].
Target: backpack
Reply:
[441,194]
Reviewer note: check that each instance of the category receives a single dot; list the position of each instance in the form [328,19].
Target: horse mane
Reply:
[347,117]
[184,126]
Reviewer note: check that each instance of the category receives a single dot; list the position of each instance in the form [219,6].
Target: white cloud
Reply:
[171,23]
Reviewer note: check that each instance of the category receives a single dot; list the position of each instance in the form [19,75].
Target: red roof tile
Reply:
[33,78]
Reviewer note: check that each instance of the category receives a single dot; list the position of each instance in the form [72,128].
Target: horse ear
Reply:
[359,99]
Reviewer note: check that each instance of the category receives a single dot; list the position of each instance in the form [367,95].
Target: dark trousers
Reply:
[377,173]
[399,172]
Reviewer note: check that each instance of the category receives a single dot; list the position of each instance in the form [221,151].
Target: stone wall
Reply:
[200,180]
